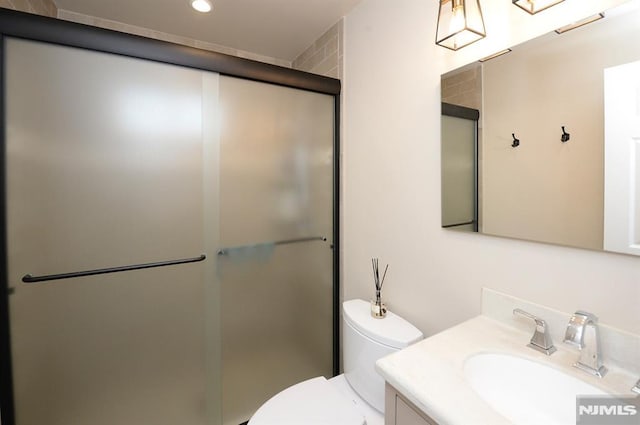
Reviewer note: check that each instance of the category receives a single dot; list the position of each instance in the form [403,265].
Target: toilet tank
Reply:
[365,340]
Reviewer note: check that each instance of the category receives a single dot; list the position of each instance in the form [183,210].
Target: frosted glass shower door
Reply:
[276,271]
[105,168]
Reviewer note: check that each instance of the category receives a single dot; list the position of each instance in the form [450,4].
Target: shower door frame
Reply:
[53,31]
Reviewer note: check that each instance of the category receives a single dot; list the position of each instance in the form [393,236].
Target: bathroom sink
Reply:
[524,391]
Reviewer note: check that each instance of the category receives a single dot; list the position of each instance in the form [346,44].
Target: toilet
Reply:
[355,397]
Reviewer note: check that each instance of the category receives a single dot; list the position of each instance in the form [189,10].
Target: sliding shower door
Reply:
[276,230]
[169,238]
[105,169]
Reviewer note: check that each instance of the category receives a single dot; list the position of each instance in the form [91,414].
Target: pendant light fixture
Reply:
[460,23]
[535,6]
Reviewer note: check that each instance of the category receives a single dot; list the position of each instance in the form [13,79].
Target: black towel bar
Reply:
[35,279]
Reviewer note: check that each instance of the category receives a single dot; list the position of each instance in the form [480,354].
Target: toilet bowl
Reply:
[357,396]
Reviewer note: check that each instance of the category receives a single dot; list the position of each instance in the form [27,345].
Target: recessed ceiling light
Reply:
[203,6]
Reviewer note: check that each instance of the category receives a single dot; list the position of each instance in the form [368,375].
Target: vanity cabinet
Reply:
[400,411]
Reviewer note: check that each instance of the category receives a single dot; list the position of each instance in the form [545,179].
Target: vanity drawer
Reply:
[400,411]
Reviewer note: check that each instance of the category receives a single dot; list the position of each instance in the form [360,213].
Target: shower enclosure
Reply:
[170,240]
[459,179]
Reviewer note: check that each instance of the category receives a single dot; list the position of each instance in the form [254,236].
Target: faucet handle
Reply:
[541,340]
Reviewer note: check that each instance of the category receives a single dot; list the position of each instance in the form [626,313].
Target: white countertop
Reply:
[430,372]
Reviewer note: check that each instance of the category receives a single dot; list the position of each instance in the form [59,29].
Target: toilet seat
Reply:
[312,402]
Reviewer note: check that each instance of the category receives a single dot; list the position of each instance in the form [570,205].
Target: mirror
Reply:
[533,165]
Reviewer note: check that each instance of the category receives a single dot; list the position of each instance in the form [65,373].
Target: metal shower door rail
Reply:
[225,251]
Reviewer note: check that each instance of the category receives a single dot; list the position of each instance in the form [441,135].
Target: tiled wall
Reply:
[39,7]
[464,88]
[145,32]
[324,56]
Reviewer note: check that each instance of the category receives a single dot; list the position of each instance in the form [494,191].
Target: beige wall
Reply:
[391,180]
[39,7]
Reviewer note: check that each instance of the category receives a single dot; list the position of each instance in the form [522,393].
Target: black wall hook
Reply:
[565,136]
[516,141]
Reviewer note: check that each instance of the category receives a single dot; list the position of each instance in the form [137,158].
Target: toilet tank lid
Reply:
[392,330]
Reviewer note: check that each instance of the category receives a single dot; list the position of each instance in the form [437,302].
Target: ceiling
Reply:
[280,29]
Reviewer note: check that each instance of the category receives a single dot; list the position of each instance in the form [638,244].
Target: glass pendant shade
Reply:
[460,23]
[535,6]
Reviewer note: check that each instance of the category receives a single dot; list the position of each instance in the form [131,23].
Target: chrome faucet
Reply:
[541,340]
[582,332]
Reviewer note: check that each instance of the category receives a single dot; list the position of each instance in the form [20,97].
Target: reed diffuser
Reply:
[378,309]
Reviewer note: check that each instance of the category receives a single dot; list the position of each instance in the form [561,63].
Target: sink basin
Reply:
[524,391]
